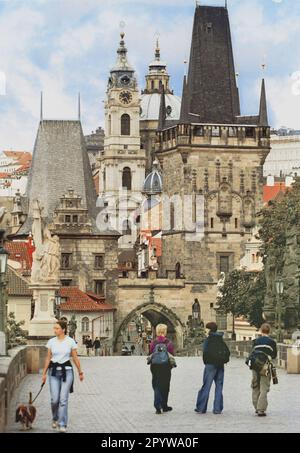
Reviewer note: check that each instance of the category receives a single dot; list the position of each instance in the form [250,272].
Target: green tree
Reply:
[16,336]
[243,295]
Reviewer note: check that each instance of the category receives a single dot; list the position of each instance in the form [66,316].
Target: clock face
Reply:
[125,97]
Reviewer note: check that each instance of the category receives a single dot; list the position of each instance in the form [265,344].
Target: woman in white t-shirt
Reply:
[61,349]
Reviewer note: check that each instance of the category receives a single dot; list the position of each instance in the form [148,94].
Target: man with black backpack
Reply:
[215,355]
[260,362]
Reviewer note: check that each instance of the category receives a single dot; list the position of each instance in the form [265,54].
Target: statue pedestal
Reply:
[41,325]
[293,360]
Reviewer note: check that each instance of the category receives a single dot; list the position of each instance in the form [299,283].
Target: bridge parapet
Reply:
[20,362]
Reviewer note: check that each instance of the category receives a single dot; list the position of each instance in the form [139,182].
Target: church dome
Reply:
[150,105]
[153,184]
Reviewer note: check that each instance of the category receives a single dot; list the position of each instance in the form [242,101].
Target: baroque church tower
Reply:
[122,163]
[214,157]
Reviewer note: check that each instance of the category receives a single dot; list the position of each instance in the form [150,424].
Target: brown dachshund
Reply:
[26,414]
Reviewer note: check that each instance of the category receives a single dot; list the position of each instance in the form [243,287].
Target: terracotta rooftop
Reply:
[17,285]
[272,192]
[20,252]
[77,300]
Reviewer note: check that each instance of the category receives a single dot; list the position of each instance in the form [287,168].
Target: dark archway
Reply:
[155,314]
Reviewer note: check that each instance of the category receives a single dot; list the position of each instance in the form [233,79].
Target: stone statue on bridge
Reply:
[46,257]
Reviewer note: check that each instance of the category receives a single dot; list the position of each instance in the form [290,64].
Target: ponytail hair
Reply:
[63,324]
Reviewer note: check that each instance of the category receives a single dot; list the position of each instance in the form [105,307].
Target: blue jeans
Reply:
[211,374]
[60,392]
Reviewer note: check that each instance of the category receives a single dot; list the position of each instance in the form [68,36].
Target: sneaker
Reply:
[199,412]
[158,412]
[261,414]
[217,413]
[62,429]
[54,424]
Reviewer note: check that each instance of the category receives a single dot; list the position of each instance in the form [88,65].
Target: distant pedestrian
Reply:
[215,355]
[58,366]
[132,349]
[260,362]
[161,367]
[88,345]
[97,346]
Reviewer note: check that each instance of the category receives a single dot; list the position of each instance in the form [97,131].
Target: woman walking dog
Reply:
[58,366]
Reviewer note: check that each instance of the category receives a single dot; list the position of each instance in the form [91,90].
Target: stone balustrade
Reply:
[20,362]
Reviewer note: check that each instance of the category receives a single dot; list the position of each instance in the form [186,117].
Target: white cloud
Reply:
[66,46]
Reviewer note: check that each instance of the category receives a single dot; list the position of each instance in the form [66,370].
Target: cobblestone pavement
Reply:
[116,397]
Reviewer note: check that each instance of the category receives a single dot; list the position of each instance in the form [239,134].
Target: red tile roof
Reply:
[77,300]
[23,157]
[20,252]
[271,192]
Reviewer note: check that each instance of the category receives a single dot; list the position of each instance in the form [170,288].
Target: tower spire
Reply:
[41,108]
[157,50]
[213,90]
[79,107]
[185,104]
[263,108]
[162,110]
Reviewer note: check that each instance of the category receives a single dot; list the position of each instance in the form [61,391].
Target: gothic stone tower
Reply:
[122,163]
[214,153]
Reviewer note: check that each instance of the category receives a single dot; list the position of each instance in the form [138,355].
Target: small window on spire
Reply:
[208,27]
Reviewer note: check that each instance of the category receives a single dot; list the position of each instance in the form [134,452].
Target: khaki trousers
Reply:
[260,389]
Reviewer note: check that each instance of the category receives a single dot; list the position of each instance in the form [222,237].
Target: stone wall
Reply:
[21,361]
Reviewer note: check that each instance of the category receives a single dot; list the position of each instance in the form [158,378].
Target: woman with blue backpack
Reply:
[162,362]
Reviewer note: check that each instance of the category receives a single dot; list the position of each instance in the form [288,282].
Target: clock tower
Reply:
[122,163]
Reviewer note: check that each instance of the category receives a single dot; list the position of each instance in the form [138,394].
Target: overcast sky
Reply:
[62,47]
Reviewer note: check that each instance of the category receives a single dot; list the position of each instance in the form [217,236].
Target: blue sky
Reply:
[62,47]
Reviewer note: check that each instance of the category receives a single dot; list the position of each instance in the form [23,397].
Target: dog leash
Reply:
[30,399]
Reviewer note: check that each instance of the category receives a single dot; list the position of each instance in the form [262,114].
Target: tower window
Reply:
[212,222]
[125,124]
[127,178]
[152,84]
[99,262]
[109,125]
[99,287]
[66,261]
[224,264]
[126,227]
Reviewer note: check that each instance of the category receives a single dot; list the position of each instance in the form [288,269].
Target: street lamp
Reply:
[57,305]
[279,292]
[3,298]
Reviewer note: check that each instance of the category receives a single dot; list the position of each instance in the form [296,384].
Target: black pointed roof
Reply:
[263,109]
[212,88]
[185,103]
[162,111]
[60,162]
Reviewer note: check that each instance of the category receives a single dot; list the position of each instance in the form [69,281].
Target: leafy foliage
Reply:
[16,336]
[243,295]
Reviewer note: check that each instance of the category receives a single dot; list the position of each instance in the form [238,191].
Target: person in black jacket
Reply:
[215,355]
[261,383]
[97,346]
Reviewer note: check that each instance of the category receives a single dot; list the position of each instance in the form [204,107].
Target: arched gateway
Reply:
[155,313]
